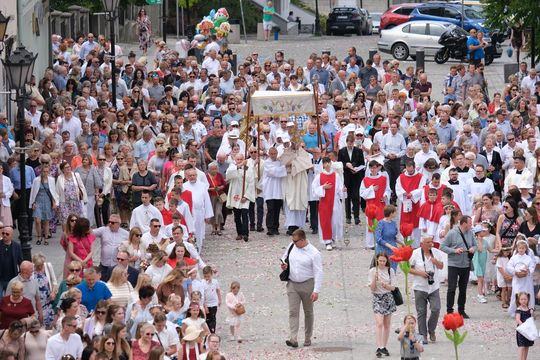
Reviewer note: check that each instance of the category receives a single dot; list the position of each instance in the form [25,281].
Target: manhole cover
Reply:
[331,349]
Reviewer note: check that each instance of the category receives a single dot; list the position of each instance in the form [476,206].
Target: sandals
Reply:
[38,242]
[45,242]
[505,306]
[219,233]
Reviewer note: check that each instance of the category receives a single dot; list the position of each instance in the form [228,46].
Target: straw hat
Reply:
[192,333]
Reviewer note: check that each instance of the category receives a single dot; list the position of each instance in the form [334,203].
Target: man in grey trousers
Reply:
[460,246]
[426,265]
[305,280]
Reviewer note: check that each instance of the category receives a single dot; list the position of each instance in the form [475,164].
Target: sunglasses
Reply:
[137,235]
[74,270]
[100,312]
[120,259]
[109,343]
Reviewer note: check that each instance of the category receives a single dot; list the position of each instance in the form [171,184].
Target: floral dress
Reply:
[144,27]
[72,204]
[509,231]
[45,295]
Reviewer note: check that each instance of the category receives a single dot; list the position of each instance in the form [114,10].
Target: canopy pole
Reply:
[248,118]
[316,98]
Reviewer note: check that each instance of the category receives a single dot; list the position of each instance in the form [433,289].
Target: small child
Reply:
[212,297]
[196,297]
[504,280]
[523,312]
[233,300]
[175,312]
[521,266]
[160,204]
[480,259]
[427,214]
[411,342]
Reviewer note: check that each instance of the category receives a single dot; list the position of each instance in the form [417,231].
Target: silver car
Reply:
[376,18]
[403,40]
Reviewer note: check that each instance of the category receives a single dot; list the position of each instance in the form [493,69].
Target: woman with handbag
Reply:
[235,302]
[381,282]
[71,193]
[92,182]
[48,287]
[217,196]
[43,201]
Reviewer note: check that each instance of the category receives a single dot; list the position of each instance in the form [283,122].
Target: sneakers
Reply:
[329,247]
[378,353]
[385,352]
[432,337]
[481,299]
[292,343]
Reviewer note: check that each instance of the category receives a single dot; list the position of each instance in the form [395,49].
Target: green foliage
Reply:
[505,14]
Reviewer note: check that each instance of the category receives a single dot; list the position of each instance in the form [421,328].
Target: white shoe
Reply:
[233,338]
[329,247]
[481,299]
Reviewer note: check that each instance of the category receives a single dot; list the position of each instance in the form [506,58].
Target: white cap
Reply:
[290,123]
[234,122]
[234,134]
[359,130]
[286,138]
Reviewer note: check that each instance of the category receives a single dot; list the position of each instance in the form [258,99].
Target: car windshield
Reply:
[473,14]
[376,17]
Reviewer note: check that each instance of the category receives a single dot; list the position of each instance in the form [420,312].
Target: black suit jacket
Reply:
[133,275]
[15,253]
[496,159]
[356,159]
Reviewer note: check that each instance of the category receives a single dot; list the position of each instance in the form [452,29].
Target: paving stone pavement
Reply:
[344,325]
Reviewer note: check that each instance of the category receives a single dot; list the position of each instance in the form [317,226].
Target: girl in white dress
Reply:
[234,300]
[521,266]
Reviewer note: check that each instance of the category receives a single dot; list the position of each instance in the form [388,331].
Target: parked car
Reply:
[403,40]
[376,19]
[396,15]
[368,30]
[450,12]
[346,20]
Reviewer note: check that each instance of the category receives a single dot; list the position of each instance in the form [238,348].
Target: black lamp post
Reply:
[317,19]
[19,69]
[110,7]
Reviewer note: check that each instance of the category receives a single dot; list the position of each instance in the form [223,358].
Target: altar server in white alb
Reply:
[272,190]
[479,184]
[202,207]
[329,189]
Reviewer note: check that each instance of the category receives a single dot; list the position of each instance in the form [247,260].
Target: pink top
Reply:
[83,247]
[138,354]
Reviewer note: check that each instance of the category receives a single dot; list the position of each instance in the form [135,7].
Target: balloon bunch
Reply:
[216,22]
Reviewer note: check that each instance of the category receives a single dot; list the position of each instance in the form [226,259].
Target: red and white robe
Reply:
[428,219]
[408,206]
[330,208]
[375,198]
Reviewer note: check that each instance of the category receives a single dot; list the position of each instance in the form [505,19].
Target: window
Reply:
[436,30]
[419,29]
[430,10]
[404,10]
[406,29]
[452,13]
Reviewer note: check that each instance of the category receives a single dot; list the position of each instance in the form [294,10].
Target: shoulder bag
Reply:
[396,293]
[469,255]
[284,276]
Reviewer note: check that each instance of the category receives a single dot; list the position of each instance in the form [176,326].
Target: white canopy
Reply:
[274,103]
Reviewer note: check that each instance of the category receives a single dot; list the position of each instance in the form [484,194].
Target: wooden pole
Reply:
[248,118]
[316,98]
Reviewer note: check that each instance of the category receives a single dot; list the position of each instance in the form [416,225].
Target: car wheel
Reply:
[400,51]
[488,59]
[359,30]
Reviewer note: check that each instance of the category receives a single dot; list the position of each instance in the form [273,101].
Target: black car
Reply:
[344,20]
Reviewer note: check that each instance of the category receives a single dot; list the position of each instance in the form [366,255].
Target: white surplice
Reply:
[337,211]
[142,215]
[202,209]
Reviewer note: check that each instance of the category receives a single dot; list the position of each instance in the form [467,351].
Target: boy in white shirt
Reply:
[212,297]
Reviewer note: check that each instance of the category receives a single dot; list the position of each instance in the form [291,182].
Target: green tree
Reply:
[506,14]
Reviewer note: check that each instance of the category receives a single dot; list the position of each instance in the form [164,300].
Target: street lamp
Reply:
[19,69]
[317,19]
[110,7]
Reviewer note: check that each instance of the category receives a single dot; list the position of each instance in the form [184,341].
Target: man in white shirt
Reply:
[65,342]
[165,333]
[426,265]
[155,235]
[144,213]
[211,63]
[304,284]
[393,148]
[424,154]
[529,82]
[71,124]
[110,238]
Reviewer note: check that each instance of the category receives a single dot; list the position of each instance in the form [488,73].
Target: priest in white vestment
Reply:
[272,190]
[202,207]
[241,181]
[144,213]
[295,184]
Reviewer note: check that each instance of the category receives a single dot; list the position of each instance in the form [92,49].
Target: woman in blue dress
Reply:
[386,234]
[43,199]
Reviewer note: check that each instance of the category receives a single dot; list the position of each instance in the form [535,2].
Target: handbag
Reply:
[396,293]
[528,329]
[240,309]
[284,276]
[221,196]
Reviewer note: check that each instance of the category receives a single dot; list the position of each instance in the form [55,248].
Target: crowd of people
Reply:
[143,174]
